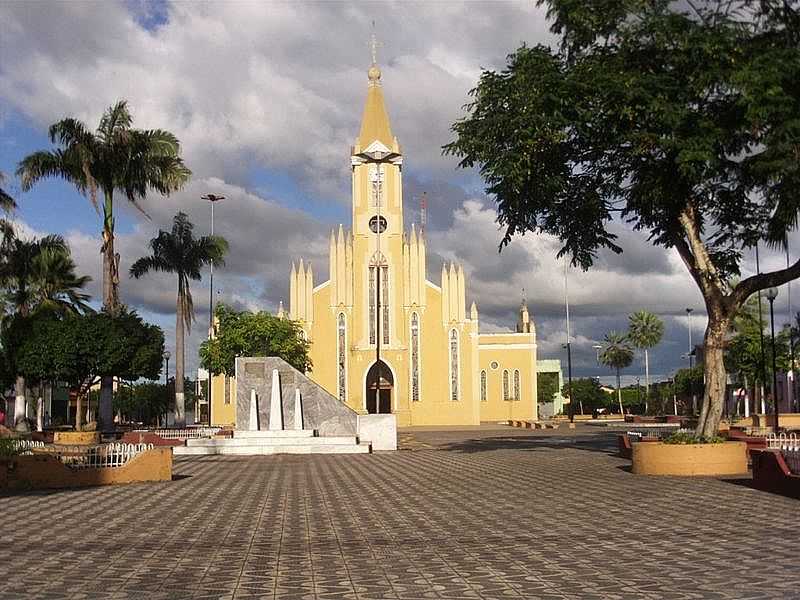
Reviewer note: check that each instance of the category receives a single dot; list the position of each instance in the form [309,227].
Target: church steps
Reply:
[277,441]
[264,449]
[268,434]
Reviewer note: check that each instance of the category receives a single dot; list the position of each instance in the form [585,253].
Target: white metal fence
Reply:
[653,433]
[182,434]
[789,445]
[96,457]
[25,446]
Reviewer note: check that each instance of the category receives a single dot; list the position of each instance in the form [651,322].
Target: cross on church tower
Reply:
[374,44]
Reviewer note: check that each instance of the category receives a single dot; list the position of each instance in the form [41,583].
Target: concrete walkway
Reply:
[493,512]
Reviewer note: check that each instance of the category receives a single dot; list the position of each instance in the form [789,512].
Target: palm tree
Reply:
[179,252]
[114,158]
[39,274]
[7,203]
[617,354]
[645,331]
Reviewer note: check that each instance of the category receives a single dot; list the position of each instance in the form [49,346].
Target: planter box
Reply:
[786,420]
[73,438]
[41,471]
[657,458]
[772,474]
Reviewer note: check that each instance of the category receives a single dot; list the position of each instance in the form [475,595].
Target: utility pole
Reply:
[212,199]
[761,336]
[569,346]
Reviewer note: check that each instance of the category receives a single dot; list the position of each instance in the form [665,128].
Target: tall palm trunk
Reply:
[646,379]
[19,401]
[619,395]
[180,417]
[111,304]
[78,410]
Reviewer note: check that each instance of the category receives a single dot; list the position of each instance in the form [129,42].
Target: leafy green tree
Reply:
[546,387]
[179,252]
[253,334]
[37,275]
[115,158]
[645,331]
[679,118]
[689,381]
[617,354]
[82,349]
[588,393]
[142,402]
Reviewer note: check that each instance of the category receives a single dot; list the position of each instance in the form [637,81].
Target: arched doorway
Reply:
[382,402]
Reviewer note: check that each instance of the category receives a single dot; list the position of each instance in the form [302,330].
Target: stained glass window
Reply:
[414,357]
[342,354]
[516,385]
[372,305]
[506,390]
[483,386]
[453,365]
[385,304]
[378,261]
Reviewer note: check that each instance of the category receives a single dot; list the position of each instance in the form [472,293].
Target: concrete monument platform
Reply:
[281,411]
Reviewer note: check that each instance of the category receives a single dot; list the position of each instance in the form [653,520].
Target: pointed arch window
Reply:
[506,386]
[483,385]
[379,262]
[454,366]
[341,351]
[517,391]
[414,357]
[376,183]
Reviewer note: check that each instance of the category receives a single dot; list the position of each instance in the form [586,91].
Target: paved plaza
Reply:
[487,513]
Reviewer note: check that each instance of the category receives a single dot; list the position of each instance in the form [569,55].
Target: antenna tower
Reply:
[423,212]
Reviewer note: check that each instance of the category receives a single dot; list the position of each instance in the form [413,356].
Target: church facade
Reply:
[383,337]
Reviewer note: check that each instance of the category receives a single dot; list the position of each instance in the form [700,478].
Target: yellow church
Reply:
[385,339]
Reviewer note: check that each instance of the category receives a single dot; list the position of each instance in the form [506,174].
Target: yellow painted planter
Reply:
[657,458]
[76,437]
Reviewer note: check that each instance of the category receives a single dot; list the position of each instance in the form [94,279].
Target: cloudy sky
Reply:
[266,99]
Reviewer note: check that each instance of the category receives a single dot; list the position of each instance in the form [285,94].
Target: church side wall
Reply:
[510,353]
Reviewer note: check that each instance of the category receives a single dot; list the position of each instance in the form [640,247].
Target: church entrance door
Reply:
[379,378]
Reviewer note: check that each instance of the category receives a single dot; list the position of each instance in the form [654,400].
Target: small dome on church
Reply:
[374,73]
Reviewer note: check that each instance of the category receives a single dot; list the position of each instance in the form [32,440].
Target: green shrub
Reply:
[8,447]
[683,437]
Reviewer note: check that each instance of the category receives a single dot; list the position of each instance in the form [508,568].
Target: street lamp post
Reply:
[690,355]
[166,356]
[761,337]
[772,293]
[212,198]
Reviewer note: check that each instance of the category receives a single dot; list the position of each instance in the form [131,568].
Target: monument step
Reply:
[278,441]
[269,434]
[272,449]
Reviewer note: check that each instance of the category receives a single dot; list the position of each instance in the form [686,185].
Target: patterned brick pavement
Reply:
[477,514]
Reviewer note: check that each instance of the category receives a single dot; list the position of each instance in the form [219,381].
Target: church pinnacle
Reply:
[375,120]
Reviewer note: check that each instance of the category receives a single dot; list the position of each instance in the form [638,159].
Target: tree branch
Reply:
[762,281]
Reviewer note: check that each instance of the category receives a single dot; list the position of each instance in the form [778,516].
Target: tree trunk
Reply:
[110,304]
[646,380]
[40,411]
[78,409]
[619,396]
[19,402]
[715,376]
[180,417]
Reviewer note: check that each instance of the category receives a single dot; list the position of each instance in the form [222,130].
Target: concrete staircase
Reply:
[253,443]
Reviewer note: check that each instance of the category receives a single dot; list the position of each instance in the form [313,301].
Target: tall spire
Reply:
[375,120]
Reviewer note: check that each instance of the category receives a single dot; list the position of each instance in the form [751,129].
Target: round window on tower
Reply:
[373,224]
[495,365]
